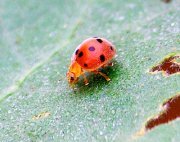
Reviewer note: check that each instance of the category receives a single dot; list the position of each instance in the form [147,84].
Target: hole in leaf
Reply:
[171,111]
[170,65]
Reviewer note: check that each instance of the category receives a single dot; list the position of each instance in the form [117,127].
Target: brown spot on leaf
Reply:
[168,66]
[41,115]
[167,1]
[171,111]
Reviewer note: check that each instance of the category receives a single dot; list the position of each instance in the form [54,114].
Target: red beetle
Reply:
[89,56]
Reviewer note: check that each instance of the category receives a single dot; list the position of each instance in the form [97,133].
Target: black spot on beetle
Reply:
[77,51]
[111,48]
[85,65]
[80,54]
[91,48]
[72,78]
[99,40]
[102,58]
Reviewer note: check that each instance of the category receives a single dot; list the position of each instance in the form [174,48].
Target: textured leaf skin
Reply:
[36,44]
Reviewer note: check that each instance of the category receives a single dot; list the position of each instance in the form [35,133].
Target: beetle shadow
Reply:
[98,83]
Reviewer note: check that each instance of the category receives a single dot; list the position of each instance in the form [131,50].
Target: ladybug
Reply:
[89,56]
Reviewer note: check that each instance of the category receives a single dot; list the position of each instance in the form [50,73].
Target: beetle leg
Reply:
[85,79]
[102,74]
[110,64]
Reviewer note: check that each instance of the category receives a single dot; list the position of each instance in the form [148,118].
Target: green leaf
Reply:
[36,45]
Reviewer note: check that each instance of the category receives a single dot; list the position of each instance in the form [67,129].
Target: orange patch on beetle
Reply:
[89,56]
